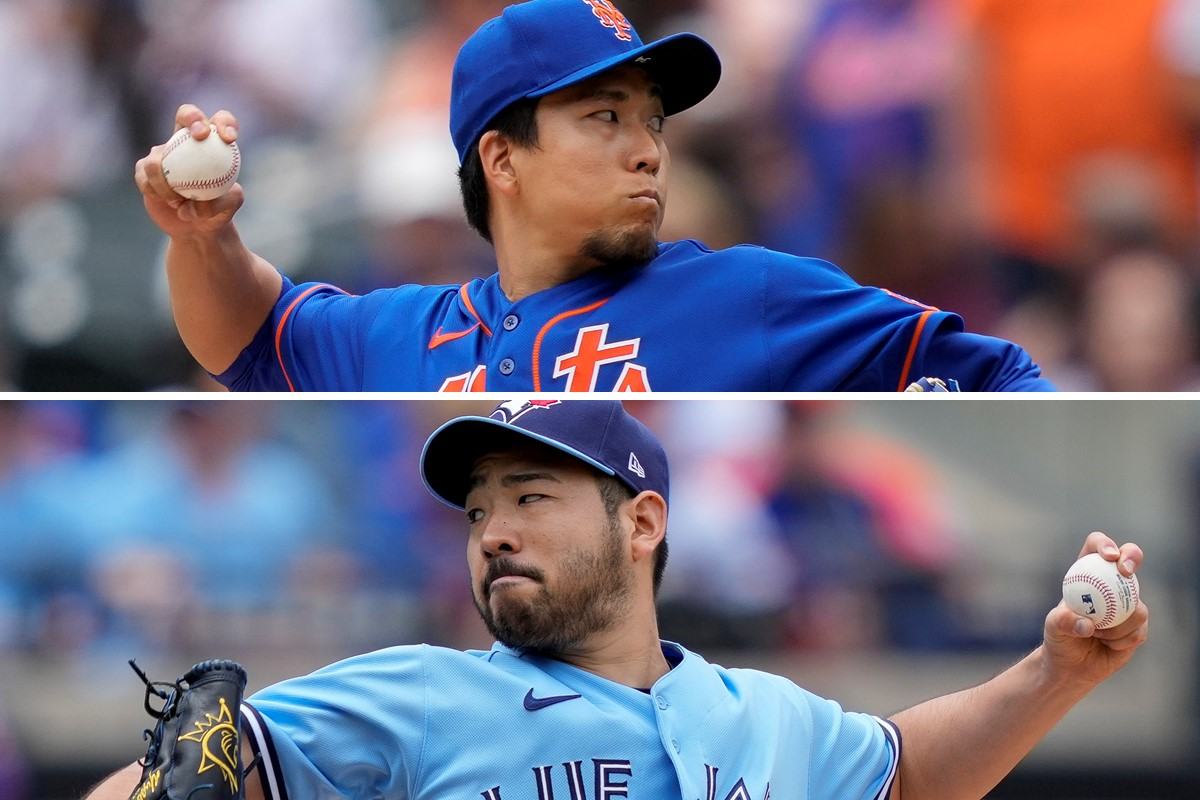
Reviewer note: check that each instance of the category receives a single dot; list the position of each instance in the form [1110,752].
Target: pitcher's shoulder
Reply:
[692,251]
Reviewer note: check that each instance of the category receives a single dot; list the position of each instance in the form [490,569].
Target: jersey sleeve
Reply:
[256,369]
[352,729]
[315,339]
[981,363]
[852,755]
[825,332]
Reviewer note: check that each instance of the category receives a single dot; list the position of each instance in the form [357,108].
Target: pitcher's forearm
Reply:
[120,785]
[961,745]
[221,293]
[117,786]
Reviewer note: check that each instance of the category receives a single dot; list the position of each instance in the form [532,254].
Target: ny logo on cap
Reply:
[610,17]
[510,410]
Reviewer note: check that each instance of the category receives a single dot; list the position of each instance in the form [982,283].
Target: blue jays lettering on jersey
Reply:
[425,723]
[741,319]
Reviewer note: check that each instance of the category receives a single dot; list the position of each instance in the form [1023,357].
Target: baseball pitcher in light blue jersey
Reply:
[565,505]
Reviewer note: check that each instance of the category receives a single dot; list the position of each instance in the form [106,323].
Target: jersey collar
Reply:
[490,302]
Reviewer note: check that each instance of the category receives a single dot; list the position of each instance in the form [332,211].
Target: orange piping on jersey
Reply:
[912,349]
[908,300]
[283,321]
[537,342]
[466,298]
[438,339]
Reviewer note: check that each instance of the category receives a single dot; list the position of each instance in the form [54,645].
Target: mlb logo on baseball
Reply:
[1094,587]
[1088,603]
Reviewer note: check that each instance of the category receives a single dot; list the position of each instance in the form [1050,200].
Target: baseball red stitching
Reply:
[174,144]
[1110,599]
[176,140]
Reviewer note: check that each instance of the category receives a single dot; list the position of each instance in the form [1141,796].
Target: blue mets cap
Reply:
[599,433]
[539,47]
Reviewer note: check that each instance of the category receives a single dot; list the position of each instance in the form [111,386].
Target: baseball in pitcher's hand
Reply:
[178,217]
[1079,653]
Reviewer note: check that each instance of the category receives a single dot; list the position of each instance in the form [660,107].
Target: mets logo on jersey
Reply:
[510,410]
[593,350]
[579,368]
[610,17]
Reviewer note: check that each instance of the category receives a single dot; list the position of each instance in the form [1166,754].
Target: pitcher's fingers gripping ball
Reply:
[194,751]
[201,169]
[1094,588]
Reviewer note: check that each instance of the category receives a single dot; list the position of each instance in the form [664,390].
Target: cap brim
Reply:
[451,451]
[686,68]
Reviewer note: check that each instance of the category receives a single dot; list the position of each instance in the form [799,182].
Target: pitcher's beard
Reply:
[594,595]
[621,247]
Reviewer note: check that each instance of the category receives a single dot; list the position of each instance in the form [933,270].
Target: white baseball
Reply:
[200,170]
[1095,589]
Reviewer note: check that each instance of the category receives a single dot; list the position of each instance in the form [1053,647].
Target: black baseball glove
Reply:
[194,751]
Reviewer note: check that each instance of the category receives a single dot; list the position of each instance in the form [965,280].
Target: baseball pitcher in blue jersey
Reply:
[559,115]
[564,504]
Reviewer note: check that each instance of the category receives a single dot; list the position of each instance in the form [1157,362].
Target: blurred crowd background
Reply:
[1030,164]
[879,553]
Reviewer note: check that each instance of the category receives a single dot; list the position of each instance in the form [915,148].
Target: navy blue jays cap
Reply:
[539,47]
[600,433]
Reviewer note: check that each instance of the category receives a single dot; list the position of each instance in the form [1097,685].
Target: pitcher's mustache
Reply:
[503,568]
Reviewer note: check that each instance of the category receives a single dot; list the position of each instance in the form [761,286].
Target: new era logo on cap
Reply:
[635,466]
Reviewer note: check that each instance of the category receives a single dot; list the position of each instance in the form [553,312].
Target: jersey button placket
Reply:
[510,338]
[664,723]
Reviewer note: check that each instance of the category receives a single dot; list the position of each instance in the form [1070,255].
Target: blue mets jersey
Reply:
[742,319]
[428,723]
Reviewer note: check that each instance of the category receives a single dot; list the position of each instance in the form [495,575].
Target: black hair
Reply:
[517,123]
[614,492]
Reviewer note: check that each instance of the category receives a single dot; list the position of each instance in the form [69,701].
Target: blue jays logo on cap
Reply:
[535,48]
[600,433]
[510,410]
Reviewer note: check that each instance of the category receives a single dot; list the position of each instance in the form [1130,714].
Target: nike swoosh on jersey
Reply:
[536,703]
[440,338]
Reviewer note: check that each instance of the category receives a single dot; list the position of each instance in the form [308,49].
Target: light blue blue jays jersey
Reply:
[429,723]
[692,319]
